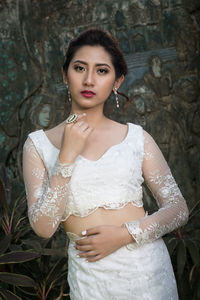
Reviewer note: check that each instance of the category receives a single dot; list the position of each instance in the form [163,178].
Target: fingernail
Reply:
[84,232]
[77,255]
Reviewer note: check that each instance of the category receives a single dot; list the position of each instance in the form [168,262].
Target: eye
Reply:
[78,68]
[102,71]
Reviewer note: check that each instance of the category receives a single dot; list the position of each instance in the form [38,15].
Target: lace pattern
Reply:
[55,191]
[168,189]
[172,212]
[64,169]
[46,194]
[154,231]
[141,274]
[47,205]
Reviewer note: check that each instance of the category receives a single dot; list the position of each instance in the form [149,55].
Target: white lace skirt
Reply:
[144,273]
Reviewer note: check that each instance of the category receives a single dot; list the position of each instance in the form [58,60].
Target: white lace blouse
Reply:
[111,182]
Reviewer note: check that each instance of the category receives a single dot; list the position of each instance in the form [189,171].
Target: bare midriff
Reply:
[103,216]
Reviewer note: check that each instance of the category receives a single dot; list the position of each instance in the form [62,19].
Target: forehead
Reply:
[92,54]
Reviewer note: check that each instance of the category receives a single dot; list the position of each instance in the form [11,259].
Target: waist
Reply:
[101,216]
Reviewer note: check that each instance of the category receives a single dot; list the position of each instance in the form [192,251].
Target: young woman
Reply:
[87,173]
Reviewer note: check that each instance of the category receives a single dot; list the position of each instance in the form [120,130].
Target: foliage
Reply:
[184,248]
[36,268]
[30,267]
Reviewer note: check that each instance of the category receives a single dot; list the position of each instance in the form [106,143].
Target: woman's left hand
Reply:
[102,240]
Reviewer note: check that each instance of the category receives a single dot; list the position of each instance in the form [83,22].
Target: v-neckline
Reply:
[101,157]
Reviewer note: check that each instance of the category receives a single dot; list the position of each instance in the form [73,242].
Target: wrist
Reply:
[63,169]
[65,159]
[126,236]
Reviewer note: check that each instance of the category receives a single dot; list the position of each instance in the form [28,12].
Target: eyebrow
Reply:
[84,63]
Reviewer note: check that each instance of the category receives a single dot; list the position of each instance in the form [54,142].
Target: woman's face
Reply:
[91,77]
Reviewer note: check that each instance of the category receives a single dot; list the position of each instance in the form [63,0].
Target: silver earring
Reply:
[116,98]
[69,95]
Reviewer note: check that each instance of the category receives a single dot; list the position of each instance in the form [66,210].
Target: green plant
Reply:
[30,267]
[184,249]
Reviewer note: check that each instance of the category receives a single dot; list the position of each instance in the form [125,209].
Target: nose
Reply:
[89,78]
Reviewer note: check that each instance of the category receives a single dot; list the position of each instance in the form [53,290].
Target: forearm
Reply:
[47,212]
[154,226]
[125,235]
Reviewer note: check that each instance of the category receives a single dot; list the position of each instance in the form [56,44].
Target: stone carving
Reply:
[157,79]
[41,112]
[160,41]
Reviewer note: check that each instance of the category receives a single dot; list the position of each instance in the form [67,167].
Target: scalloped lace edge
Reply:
[101,206]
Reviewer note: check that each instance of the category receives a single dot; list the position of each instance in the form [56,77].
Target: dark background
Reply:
[160,41]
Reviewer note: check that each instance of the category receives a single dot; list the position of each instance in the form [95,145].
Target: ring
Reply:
[71,119]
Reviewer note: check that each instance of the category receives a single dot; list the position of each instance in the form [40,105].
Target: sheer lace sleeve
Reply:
[172,212]
[46,193]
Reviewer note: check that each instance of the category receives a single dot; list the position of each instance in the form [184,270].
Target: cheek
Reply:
[108,83]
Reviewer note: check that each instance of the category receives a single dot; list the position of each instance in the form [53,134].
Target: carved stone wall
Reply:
[161,45]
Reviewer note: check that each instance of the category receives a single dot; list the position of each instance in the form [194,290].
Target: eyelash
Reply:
[80,68]
[105,71]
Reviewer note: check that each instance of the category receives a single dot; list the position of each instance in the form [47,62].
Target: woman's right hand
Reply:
[74,139]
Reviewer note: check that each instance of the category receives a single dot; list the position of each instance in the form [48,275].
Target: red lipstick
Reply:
[87,93]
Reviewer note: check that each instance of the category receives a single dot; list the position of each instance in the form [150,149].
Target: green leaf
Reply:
[181,257]
[59,280]
[171,245]
[5,193]
[17,257]
[28,291]
[193,209]
[34,244]
[56,252]
[8,295]
[198,291]
[56,270]
[17,279]
[194,251]
[5,243]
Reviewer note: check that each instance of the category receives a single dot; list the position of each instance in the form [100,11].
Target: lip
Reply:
[88,93]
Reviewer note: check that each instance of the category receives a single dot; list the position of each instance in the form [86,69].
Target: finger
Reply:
[88,254]
[83,126]
[83,247]
[84,241]
[95,258]
[78,123]
[87,131]
[93,230]
[80,117]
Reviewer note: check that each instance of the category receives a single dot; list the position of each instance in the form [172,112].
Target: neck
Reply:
[94,116]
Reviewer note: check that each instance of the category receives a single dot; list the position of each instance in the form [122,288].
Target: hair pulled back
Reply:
[98,37]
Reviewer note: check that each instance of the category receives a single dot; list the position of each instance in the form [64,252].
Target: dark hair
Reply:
[98,37]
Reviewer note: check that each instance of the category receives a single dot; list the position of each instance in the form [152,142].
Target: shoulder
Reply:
[136,129]
[34,143]
[35,134]
[146,137]
[34,138]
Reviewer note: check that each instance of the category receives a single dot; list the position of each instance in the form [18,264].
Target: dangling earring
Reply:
[69,95]
[116,97]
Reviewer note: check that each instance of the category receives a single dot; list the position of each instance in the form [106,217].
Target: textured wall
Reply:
[161,44]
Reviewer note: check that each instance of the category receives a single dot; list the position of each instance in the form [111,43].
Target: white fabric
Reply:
[49,194]
[110,182]
[141,274]
[173,211]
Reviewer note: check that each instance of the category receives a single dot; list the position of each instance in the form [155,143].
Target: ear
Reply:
[118,82]
[64,76]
